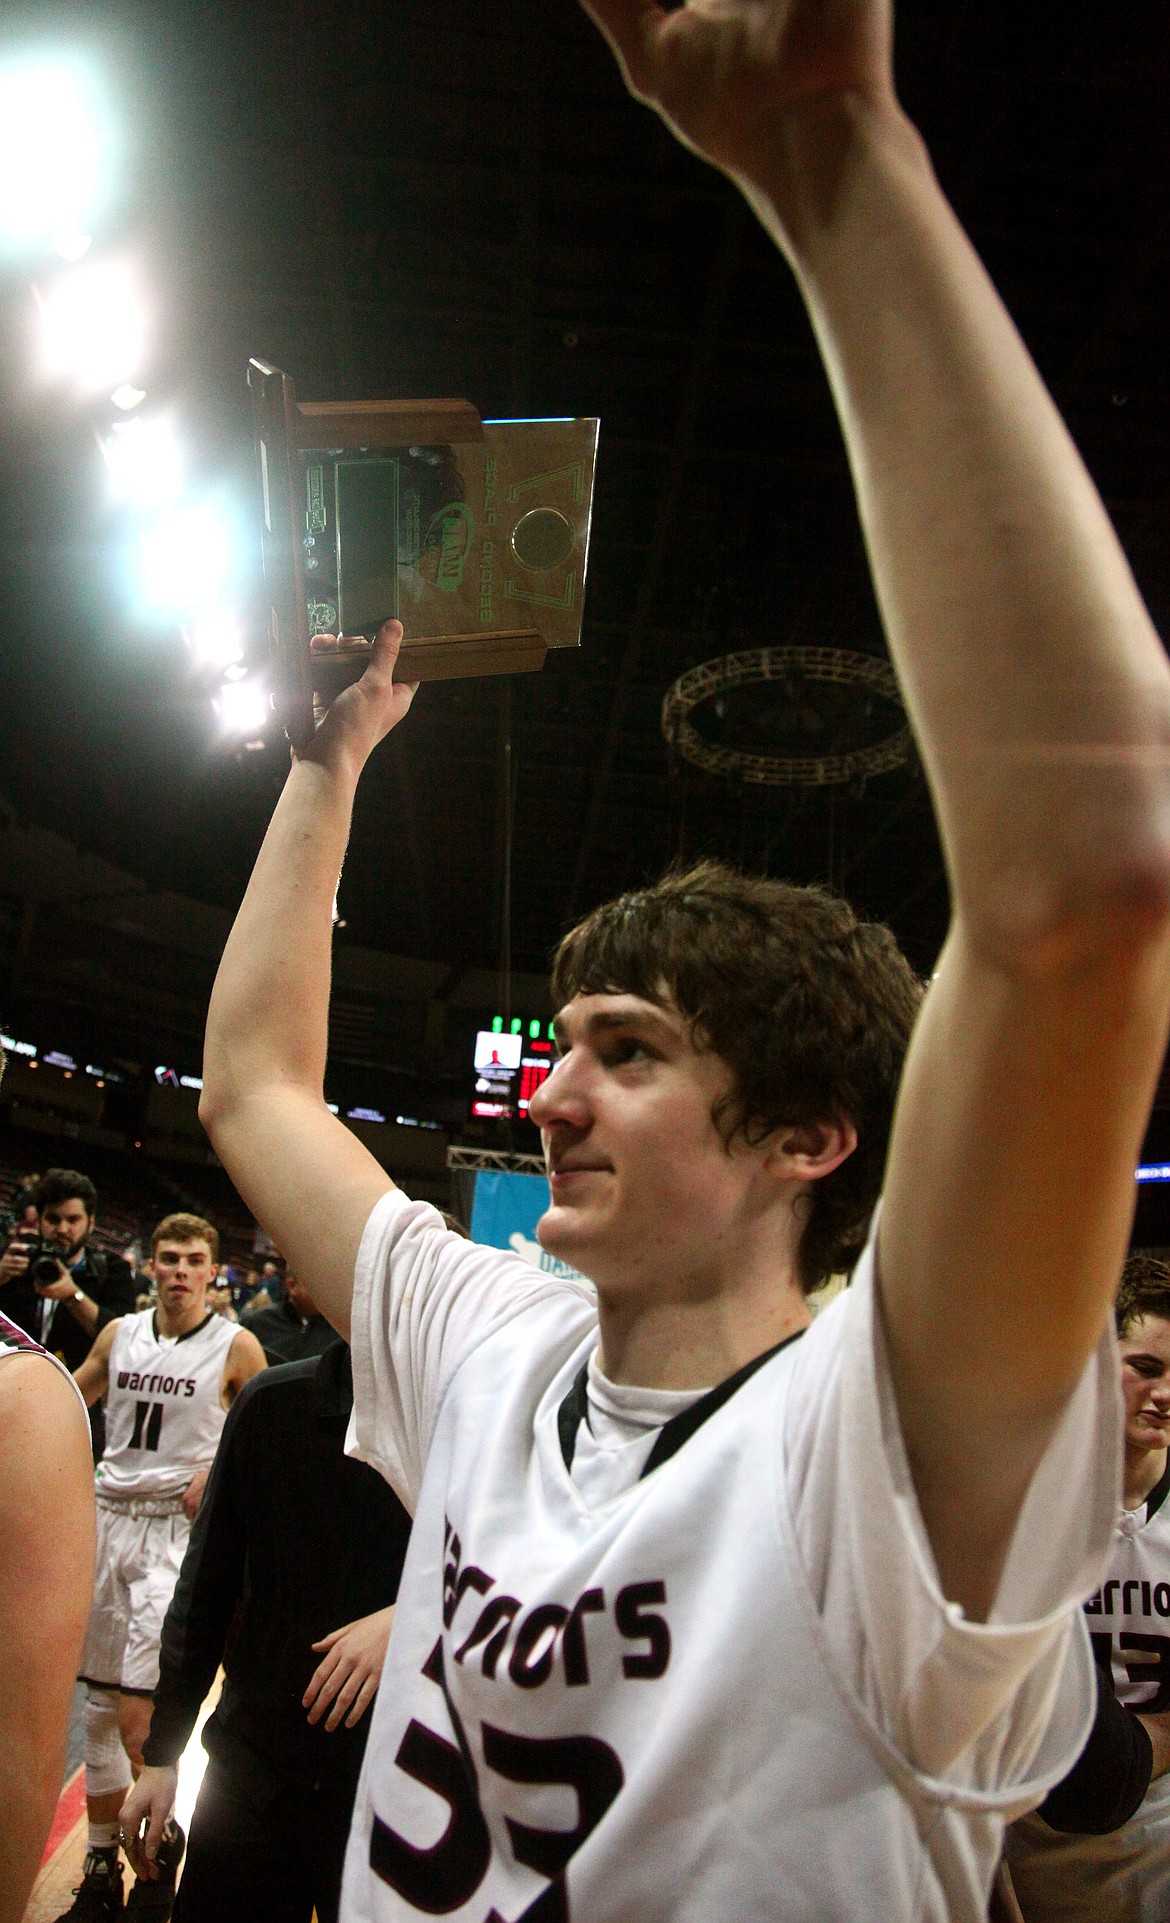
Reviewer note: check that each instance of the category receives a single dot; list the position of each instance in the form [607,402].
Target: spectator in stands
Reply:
[294,1330]
[295,1555]
[272,1282]
[90,1288]
[19,1217]
[221,1301]
[244,1284]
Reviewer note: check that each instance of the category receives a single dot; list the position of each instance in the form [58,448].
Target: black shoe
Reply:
[98,1896]
[150,1902]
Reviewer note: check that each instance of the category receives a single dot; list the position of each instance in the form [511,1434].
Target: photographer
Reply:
[54,1286]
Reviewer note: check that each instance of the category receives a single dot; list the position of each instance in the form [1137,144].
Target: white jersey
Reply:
[1123,1877]
[164,1406]
[728,1686]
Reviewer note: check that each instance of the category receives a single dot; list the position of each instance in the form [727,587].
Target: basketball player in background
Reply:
[1123,1876]
[169,1375]
[710,1614]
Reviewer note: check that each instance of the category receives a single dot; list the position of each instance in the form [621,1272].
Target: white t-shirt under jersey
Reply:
[164,1406]
[730,1689]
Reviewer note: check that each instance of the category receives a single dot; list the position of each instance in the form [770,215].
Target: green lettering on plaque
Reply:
[446,546]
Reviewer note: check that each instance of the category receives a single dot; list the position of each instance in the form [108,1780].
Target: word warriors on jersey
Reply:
[164,1385]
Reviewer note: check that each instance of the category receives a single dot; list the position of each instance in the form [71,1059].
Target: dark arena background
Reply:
[460,200]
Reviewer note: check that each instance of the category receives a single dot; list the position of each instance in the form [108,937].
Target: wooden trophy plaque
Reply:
[475,534]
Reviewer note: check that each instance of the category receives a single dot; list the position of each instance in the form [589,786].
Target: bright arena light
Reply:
[54,153]
[185,560]
[73,247]
[145,461]
[243,707]
[216,640]
[128,396]
[93,325]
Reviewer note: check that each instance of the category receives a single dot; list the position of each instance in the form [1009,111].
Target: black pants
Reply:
[264,1850]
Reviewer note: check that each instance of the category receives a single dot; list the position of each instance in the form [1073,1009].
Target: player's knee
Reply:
[105,1756]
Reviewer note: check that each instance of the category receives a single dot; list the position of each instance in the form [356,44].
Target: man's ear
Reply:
[811,1150]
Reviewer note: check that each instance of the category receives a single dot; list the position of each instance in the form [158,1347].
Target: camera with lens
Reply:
[45,1260]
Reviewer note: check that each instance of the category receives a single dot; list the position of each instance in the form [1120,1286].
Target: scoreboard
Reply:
[535,1067]
[508,1071]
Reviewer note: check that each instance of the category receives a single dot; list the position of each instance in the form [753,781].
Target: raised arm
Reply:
[1040,697]
[301,1171]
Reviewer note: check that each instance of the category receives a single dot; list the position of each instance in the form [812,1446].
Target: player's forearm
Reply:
[268,1017]
[1021,641]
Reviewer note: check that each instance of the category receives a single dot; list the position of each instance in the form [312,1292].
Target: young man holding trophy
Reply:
[709,1613]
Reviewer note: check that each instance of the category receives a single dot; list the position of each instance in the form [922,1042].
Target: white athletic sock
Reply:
[103,1836]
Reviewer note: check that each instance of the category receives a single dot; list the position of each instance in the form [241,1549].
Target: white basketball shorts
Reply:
[138,1563]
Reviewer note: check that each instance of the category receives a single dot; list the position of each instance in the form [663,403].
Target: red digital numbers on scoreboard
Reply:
[534,1069]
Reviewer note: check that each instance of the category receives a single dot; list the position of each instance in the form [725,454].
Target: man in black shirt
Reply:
[297,1550]
[293,1329]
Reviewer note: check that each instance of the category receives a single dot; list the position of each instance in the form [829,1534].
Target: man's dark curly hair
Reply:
[1145,1290]
[59,1185]
[810,1008]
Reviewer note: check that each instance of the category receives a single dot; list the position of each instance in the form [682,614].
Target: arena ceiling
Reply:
[459,199]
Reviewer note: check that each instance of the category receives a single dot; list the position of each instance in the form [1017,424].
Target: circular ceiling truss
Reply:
[840,665]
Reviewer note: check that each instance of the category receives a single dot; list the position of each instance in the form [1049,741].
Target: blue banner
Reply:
[504,1215]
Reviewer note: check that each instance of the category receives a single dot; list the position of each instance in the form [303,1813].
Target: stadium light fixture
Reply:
[55,149]
[127,397]
[216,640]
[93,325]
[243,707]
[145,461]
[185,560]
[73,247]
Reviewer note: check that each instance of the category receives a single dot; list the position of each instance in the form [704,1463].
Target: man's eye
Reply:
[629,1049]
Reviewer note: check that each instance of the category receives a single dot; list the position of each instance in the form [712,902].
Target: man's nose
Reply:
[560,1097]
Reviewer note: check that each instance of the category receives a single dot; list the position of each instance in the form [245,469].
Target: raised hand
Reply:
[724,73]
[363,714]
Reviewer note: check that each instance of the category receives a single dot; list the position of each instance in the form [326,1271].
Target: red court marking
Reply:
[70,1810]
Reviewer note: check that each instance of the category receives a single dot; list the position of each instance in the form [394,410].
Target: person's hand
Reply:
[724,73]
[143,1816]
[62,1290]
[1157,1728]
[193,1493]
[14,1261]
[362,715]
[347,1675]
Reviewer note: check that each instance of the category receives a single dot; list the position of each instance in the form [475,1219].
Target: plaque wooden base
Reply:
[449,657]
